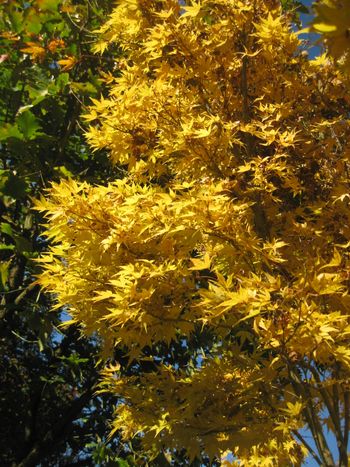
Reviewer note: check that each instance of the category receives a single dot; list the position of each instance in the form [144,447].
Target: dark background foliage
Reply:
[49,413]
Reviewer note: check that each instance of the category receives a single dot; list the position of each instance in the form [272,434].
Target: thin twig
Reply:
[308,447]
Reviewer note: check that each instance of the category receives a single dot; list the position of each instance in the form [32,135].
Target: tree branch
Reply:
[308,447]
[42,448]
[311,418]
[334,414]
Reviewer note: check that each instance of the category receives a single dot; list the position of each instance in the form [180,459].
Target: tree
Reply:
[219,263]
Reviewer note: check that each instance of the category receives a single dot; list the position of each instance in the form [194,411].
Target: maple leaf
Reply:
[67,63]
[35,50]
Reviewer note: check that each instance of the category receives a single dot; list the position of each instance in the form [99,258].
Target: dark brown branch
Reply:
[308,447]
[334,414]
[43,448]
[311,417]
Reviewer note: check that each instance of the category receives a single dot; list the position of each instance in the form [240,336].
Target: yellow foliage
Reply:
[227,240]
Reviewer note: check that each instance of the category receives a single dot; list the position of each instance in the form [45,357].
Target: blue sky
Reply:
[305,19]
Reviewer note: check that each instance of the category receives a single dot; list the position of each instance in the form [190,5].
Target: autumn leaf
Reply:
[35,50]
[67,63]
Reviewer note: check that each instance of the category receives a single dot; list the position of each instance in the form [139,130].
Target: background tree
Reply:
[221,259]
[47,75]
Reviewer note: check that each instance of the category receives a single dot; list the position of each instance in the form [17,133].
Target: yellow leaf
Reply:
[35,50]
[335,261]
[67,63]
[201,263]
[323,27]
[192,10]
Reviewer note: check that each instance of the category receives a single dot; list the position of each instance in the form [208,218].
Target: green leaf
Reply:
[33,23]
[6,229]
[3,246]
[74,359]
[4,273]
[62,80]
[122,463]
[52,380]
[16,20]
[63,171]
[51,5]
[28,222]
[37,95]
[84,88]
[4,175]
[10,131]
[23,244]
[41,345]
[28,124]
